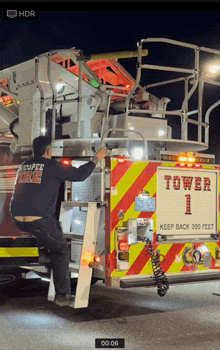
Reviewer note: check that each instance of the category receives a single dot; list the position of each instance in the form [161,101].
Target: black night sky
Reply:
[99,31]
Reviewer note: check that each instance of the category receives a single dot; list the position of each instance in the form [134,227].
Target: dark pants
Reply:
[49,235]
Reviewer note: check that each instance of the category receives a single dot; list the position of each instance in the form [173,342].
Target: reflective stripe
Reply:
[129,184]
[124,183]
[18,252]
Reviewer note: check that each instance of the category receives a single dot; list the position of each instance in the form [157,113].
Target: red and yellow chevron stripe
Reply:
[128,180]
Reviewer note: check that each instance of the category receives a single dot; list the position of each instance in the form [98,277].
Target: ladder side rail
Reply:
[42,102]
[137,81]
[89,243]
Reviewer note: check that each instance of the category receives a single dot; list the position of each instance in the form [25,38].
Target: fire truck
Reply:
[149,213]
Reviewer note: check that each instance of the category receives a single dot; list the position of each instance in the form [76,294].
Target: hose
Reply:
[160,277]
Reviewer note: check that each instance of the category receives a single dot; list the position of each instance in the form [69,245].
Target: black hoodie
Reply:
[37,185]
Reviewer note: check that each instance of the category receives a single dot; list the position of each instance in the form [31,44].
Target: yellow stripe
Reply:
[127,181]
[18,252]
[169,164]
[131,212]
[208,167]
[134,251]
[147,269]
[151,185]
[117,273]
[177,266]
[114,162]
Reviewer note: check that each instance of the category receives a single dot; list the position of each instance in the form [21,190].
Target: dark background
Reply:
[98,31]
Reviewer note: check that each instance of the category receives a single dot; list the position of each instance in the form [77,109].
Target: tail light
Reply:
[123,245]
[122,248]
[64,161]
[97,259]
[121,159]
[67,162]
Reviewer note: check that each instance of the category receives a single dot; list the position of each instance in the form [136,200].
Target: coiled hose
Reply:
[160,277]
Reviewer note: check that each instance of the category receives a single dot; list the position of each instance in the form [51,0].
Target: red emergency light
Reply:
[67,162]
[123,245]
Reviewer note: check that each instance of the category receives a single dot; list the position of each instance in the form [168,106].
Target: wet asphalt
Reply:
[188,317]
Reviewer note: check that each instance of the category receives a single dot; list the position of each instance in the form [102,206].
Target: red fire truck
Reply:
[149,213]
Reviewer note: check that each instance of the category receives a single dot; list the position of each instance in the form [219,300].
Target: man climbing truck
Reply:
[33,207]
[148,213]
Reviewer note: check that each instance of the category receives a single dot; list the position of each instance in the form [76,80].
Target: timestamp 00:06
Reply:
[110,343]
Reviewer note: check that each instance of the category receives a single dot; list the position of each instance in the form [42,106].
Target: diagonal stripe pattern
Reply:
[130,179]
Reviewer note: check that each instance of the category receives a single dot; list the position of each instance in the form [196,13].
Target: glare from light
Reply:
[87,258]
[77,222]
[214,68]
[43,130]
[60,88]
[191,159]
[45,279]
[97,259]
[137,153]
[161,132]
[183,159]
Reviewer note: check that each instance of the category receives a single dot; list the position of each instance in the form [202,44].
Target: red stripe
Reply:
[139,263]
[119,171]
[171,256]
[113,264]
[188,268]
[133,192]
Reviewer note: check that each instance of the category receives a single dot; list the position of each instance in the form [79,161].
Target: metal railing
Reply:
[195,75]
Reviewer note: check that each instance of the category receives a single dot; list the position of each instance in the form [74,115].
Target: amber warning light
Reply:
[189,159]
[88,259]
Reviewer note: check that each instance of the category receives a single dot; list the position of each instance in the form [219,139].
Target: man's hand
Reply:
[101,153]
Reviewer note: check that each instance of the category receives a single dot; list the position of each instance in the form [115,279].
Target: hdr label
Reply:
[21,14]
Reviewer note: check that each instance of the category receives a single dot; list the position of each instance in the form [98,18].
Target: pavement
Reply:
[188,317]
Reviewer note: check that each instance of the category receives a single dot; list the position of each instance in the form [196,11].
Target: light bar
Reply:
[188,158]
